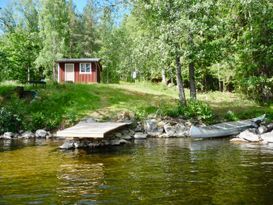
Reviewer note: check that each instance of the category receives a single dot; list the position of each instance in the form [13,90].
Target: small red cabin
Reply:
[79,70]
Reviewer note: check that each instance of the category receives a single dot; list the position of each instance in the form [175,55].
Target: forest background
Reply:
[198,44]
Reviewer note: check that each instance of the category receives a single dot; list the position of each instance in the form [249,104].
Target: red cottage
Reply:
[79,70]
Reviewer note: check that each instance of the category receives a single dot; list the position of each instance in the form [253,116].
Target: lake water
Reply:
[153,171]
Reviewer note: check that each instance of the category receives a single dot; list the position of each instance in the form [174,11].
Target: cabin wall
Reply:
[93,77]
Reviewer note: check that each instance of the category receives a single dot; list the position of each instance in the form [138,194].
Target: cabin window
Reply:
[85,68]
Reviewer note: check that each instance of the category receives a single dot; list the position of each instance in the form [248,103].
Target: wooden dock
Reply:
[91,130]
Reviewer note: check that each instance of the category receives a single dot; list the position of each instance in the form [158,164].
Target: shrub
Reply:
[231,116]
[9,121]
[258,88]
[194,109]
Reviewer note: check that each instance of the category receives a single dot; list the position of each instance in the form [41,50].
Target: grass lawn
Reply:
[62,105]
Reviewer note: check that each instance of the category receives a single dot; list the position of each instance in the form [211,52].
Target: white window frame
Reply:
[85,68]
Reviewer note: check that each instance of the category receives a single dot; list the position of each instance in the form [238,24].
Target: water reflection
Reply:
[79,181]
[153,171]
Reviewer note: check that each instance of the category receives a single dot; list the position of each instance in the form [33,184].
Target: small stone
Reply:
[8,135]
[67,145]
[40,133]
[140,135]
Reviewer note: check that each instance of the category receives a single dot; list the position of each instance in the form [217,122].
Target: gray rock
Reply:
[93,145]
[138,128]
[27,135]
[49,135]
[127,137]
[131,132]
[125,132]
[164,135]
[151,127]
[8,135]
[178,130]
[269,127]
[249,136]
[181,130]
[40,133]
[116,142]
[81,144]
[118,135]
[67,145]
[237,139]
[169,130]
[262,129]
[267,137]
[140,135]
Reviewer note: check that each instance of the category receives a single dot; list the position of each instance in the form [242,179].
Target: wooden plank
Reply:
[90,130]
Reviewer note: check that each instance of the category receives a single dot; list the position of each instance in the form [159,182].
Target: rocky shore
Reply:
[152,127]
[40,133]
[156,127]
[262,134]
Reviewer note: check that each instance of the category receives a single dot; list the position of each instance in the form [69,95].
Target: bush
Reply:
[258,88]
[9,121]
[194,109]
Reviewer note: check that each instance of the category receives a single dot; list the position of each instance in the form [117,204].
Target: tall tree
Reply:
[54,32]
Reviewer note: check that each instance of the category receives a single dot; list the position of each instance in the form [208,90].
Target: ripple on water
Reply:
[161,171]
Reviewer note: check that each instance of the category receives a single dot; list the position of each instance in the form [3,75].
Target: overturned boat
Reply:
[225,129]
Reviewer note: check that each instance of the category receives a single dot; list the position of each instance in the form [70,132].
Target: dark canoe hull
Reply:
[224,129]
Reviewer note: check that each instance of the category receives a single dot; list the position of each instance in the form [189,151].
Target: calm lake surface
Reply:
[154,171]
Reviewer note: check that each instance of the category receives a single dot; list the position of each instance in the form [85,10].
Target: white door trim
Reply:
[58,72]
[73,71]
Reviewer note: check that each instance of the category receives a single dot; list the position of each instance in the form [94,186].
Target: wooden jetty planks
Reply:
[90,130]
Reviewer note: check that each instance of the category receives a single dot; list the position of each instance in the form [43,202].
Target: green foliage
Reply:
[231,116]
[9,120]
[258,88]
[194,109]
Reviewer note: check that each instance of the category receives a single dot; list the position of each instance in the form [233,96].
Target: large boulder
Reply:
[40,133]
[152,128]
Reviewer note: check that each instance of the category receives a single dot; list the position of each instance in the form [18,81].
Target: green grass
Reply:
[62,105]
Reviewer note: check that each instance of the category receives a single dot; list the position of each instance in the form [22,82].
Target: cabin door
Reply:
[69,72]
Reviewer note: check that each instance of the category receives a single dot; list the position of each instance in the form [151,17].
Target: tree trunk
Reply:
[182,98]
[192,81]
[163,77]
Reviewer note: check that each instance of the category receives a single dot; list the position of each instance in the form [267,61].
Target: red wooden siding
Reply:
[93,77]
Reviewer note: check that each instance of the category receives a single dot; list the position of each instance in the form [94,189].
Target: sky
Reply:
[79,4]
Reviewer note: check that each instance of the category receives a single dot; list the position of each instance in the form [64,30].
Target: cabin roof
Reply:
[72,60]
